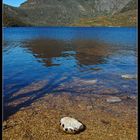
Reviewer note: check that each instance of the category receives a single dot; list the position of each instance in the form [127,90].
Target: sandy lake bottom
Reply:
[104,120]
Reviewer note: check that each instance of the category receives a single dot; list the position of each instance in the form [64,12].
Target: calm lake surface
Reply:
[66,57]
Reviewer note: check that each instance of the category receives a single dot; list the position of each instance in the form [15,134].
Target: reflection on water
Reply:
[86,52]
[61,55]
[91,52]
[46,49]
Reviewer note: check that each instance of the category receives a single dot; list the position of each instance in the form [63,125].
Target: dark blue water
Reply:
[62,55]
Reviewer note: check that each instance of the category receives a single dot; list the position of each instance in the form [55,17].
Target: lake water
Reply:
[68,57]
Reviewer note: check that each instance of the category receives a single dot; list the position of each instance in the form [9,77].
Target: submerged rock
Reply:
[129,76]
[89,82]
[89,107]
[133,97]
[71,125]
[113,99]
[4,124]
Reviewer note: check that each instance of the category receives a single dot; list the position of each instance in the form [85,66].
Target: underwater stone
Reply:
[129,76]
[113,99]
[94,81]
[71,125]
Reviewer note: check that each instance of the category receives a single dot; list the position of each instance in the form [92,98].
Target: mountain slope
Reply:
[14,17]
[64,12]
[132,5]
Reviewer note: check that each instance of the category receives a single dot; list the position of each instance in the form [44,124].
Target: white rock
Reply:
[132,97]
[129,76]
[89,107]
[94,81]
[71,125]
[113,99]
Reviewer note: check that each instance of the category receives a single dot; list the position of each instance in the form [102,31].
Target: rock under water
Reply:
[71,125]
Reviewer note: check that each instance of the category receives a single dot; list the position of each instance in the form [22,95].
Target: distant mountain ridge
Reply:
[63,12]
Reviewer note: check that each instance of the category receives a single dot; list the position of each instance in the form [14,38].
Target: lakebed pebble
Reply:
[71,125]
[113,99]
[129,76]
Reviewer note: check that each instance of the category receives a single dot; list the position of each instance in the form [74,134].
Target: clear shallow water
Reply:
[62,55]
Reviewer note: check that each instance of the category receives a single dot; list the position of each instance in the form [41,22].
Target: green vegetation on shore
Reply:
[128,18]
[13,21]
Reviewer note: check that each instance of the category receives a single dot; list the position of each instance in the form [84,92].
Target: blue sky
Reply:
[15,3]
